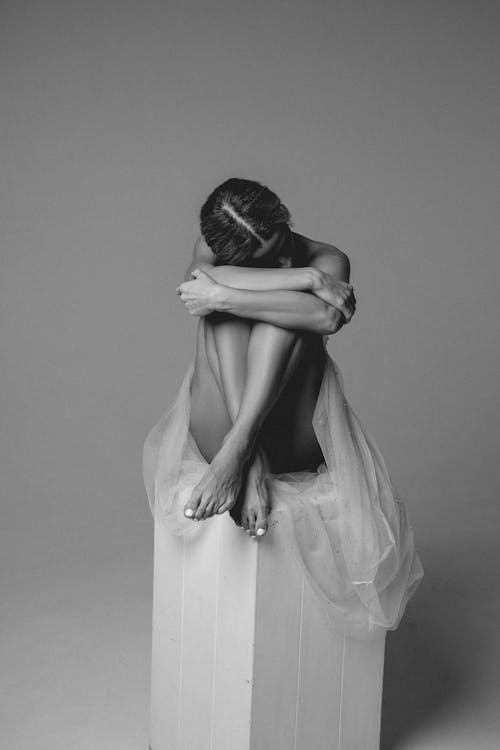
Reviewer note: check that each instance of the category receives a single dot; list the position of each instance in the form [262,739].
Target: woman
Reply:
[261,426]
[259,364]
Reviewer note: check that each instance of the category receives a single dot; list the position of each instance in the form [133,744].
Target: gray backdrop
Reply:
[375,122]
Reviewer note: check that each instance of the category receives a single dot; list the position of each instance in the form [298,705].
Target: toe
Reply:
[200,511]
[192,505]
[226,505]
[210,509]
[261,522]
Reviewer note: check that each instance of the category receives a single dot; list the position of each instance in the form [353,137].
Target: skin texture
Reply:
[255,382]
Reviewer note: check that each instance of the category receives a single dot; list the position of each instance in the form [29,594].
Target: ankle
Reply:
[242,437]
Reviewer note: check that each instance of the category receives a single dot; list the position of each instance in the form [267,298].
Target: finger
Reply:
[347,314]
[350,305]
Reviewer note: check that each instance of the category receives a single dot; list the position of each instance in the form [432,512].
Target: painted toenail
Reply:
[260,532]
[189,512]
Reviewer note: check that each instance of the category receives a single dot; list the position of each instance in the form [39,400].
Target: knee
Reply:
[218,318]
[226,330]
[274,335]
[226,340]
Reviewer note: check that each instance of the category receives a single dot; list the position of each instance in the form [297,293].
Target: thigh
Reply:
[288,435]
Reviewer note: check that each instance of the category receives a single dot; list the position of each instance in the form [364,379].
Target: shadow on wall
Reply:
[441,659]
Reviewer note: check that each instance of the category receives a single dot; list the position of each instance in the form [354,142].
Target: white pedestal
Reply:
[242,658]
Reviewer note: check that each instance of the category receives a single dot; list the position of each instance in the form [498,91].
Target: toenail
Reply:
[260,532]
[189,512]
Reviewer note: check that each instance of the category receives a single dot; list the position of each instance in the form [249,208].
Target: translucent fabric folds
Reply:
[344,524]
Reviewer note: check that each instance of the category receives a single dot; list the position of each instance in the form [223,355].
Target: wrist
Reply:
[223,297]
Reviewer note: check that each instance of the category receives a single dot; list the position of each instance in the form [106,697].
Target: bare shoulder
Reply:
[328,258]
[202,253]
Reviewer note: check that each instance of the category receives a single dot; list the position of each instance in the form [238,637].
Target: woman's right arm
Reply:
[253,279]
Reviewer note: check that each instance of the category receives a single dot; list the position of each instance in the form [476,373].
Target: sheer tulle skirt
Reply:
[344,524]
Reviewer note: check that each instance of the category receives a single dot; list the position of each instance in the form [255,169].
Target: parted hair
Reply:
[237,217]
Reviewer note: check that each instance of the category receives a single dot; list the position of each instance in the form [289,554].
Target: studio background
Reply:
[375,124]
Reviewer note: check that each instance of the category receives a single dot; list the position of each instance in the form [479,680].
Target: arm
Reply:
[327,277]
[292,309]
[283,308]
[263,279]
[202,256]
[286,309]
[254,279]
[333,269]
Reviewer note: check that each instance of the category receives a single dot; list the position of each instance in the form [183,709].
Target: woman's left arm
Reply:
[287,309]
[326,276]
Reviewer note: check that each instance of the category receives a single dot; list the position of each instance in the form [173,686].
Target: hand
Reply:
[201,295]
[335,292]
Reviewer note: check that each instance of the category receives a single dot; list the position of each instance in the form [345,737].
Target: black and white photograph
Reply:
[249,334]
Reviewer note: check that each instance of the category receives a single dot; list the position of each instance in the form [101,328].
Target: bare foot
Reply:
[256,506]
[220,486]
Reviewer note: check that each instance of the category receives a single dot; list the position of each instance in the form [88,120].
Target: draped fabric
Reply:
[345,526]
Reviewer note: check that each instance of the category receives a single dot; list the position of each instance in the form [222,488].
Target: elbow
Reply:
[332,320]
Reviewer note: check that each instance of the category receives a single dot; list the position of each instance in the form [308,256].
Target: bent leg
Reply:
[273,355]
[252,364]
[251,379]
[211,421]
[226,343]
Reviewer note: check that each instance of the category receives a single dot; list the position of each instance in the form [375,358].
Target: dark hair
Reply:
[237,217]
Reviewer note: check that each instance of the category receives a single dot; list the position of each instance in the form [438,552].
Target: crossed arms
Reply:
[317,297]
